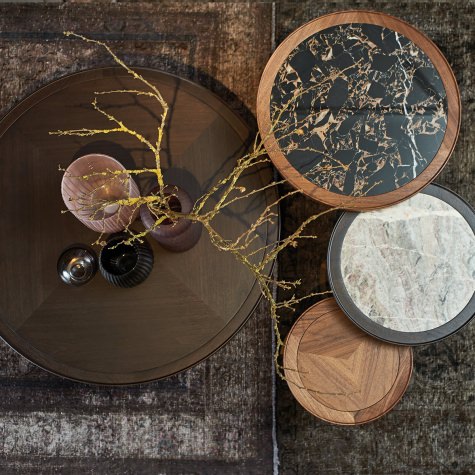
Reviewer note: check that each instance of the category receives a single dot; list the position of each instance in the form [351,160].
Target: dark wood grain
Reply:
[191,303]
[339,373]
[196,421]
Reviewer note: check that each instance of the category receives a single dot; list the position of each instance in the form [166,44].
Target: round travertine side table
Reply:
[339,373]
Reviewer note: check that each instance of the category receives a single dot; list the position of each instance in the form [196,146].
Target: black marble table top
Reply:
[363,109]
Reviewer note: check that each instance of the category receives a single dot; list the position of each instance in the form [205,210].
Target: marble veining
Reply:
[360,109]
[410,267]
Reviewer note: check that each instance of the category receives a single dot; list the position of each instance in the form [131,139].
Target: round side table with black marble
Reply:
[406,274]
[358,109]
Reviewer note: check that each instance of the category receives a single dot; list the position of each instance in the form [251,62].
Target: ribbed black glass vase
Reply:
[125,265]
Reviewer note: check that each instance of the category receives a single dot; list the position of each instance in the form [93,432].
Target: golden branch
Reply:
[225,192]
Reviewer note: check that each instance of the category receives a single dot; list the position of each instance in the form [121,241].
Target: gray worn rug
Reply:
[432,430]
[217,417]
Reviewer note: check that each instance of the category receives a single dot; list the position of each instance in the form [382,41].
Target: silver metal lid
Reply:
[77,265]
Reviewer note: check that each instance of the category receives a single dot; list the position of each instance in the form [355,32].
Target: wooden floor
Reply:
[217,417]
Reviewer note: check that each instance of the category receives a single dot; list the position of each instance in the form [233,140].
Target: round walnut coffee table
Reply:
[358,109]
[340,374]
[192,302]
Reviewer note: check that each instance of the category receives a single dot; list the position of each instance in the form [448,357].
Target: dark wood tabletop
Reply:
[191,304]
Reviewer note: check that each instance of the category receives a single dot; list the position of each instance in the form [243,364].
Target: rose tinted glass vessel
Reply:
[85,198]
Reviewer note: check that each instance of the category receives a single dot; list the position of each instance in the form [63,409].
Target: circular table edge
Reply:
[329,198]
[35,356]
[370,326]
[403,375]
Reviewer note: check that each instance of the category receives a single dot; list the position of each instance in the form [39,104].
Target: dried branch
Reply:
[225,192]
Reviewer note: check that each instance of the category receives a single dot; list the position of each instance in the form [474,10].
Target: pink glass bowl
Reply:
[85,198]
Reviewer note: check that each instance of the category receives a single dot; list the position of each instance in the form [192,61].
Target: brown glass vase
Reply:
[178,236]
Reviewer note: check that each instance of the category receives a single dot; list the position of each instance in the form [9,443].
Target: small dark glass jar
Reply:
[125,265]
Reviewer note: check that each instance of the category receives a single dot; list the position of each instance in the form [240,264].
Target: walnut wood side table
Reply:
[358,109]
[339,373]
[192,302]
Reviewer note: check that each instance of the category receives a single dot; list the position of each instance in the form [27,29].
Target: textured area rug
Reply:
[217,417]
[432,430]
